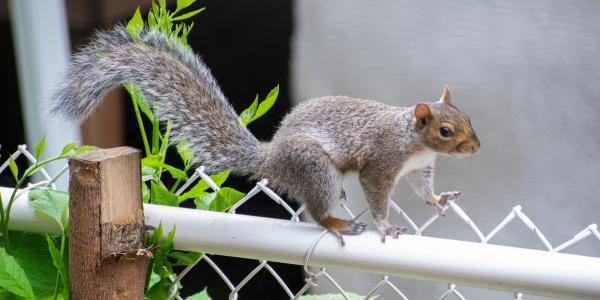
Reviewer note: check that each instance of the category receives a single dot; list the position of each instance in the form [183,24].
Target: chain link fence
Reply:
[314,273]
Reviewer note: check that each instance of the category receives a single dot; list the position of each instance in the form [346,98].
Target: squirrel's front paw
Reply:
[439,202]
[449,196]
[392,230]
[435,202]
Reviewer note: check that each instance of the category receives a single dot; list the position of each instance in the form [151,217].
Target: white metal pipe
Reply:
[425,258]
[23,217]
[417,257]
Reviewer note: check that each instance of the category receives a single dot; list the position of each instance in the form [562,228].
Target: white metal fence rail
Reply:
[520,270]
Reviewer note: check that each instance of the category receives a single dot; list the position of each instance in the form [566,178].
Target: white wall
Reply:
[528,73]
[42,50]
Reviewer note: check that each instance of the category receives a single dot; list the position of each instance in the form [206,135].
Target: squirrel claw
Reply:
[341,238]
[340,227]
[392,230]
[350,228]
[440,202]
[439,207]
[353,228]
[395,231]
[449,196]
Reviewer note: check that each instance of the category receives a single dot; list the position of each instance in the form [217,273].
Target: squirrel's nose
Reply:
[474,149]
[475,145]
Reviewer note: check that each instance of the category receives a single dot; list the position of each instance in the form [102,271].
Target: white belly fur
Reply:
[418,161]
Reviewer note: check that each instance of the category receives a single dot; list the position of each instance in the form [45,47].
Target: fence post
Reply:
[107,259]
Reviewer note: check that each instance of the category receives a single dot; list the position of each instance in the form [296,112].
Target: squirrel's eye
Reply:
[445,132]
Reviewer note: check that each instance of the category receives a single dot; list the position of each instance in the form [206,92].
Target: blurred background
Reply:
[527,72]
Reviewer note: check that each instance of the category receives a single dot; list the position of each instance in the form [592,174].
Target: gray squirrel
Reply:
[316,143]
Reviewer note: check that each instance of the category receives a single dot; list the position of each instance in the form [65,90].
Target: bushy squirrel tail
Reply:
[175,81]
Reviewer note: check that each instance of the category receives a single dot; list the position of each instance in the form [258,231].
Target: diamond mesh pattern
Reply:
[314,277]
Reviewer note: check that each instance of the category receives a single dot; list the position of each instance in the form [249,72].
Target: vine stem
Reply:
[141,125]
[4,230]
[62,254]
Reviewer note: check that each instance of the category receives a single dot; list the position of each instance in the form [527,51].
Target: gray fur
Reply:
[315,144]
[310,151]
[169,72]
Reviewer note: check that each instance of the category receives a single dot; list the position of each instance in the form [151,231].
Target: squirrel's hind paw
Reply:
[353,228]
[339,227]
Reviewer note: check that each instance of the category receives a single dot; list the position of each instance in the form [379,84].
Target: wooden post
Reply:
[107,259]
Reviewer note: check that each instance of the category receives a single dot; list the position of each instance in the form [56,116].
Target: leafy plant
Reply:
[156,144]
[33,255]
[36,266]
[54,204]
[257,110]
[20,179]
[12,276]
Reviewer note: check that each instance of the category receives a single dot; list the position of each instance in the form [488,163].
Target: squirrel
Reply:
[316,143]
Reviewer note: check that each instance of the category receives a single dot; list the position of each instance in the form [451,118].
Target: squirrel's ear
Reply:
[445,98]
[423,114]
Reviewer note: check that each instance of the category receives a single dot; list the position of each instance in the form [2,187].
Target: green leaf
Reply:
[266,104]
[135,25]
[51,203]
[175,173]
[155,9]
[58,297]
[162,196]
[171,234]
[145,193]
[148,173]
[39,148]
[151,161]
[184,258]
[13,168]
[188,15]
[161,264]
[138,96]
[151,18]
[162,153]
[203,295]
[13,277]
[66,291]
[155,163]
[6,295]
[154,279]
[156,135]
[182,4]
[159,291]
[248,113]
[86,148]
[186,32]
[185,151]
[203,201]
[156,237]
[226,197]
[68,148]
[31,252]
[59,263]
[202,186]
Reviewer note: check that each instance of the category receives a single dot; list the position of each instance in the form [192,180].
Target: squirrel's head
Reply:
[444,128]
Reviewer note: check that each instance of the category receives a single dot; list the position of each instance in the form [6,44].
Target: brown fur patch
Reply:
[334,225]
